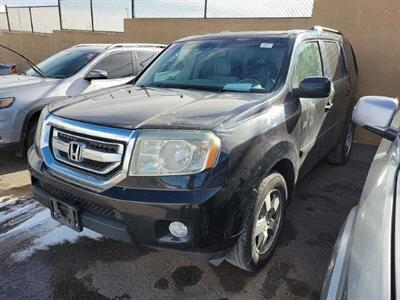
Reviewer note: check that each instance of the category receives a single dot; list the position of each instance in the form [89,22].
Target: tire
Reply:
[247,254]
[341,154]
[30,136]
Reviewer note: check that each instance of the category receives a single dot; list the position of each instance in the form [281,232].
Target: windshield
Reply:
[65,63]
[242,65]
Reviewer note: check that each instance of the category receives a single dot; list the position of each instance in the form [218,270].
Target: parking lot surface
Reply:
[41,259]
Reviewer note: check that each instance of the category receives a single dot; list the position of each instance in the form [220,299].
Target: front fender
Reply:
[255,162]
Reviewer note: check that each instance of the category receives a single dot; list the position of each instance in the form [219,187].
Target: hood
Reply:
[133,108]
[14,85]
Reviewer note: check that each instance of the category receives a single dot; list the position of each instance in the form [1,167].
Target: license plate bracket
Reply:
[66,214]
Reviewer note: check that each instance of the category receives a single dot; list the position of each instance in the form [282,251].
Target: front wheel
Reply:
[341,154]
[263,227]
[30,136]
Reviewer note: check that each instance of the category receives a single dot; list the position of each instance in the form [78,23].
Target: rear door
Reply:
[336,70]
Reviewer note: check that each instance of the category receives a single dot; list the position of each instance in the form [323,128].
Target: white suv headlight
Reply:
[174,152]
[6,102]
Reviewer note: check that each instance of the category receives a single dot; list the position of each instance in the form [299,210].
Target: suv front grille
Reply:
[87,153]
[83,204]
[100,146]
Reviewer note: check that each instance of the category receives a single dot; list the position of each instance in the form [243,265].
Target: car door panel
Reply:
[96,85]
[308,63]
[336,71]
[119,67]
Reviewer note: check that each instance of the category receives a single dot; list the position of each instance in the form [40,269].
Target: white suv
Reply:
[72,72]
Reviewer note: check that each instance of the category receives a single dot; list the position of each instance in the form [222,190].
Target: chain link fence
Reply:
[19,18]
[171,8]
[106,15]
[76,14]
[45,19]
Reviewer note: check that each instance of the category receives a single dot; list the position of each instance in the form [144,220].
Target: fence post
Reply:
[8,18]
[59,12]
[30,16]
[91,14]
[205,9]
[133,9]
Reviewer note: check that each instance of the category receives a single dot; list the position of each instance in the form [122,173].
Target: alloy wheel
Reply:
[268,221]
[349,139]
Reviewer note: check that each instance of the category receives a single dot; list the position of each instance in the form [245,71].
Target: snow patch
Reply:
[58,235]
[40,229]
[16,211]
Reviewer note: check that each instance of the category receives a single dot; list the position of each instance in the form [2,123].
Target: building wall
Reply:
[373,27]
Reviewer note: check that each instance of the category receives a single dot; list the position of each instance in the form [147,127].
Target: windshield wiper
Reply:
[145,89]
[30,63]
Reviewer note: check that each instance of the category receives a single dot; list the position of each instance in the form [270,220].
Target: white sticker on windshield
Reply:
[267,45]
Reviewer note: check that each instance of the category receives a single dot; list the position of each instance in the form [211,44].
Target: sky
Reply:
[28,2]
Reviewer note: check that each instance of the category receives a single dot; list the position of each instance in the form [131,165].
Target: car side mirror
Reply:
[96,74]
[313,87]
[375,114]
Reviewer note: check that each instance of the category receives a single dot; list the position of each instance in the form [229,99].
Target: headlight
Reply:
[39,128]
[6,102]
[174,152]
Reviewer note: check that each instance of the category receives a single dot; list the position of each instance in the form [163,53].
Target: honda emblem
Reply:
[75,151]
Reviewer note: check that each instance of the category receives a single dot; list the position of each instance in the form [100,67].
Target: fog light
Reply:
[178,229]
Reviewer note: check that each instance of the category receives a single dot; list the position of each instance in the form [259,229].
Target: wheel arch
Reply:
[281,158]
[30,117]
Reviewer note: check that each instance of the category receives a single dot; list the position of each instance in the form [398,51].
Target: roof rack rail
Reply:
[325,29]
[136,45]
[90,45]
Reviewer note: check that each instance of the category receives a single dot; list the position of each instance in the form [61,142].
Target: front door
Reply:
[308,63]
[119,67]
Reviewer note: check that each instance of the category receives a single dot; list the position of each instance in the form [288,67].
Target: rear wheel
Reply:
[262,229]
[341,154]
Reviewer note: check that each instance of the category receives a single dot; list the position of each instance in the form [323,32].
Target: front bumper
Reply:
[142,216]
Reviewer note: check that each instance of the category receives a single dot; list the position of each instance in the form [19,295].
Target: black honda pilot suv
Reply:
[202,152]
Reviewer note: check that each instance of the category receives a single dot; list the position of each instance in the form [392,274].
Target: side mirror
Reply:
[375,114]
[97,74]
[313,87]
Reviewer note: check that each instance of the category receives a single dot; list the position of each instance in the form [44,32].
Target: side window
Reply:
[143,59]
[117,65]
[335,64]
[309,63]
[351,57]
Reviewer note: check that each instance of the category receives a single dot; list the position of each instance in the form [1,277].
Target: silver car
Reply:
[78,70]
[366,259]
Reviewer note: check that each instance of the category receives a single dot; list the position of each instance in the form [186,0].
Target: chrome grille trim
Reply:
[95,182]
[114,159]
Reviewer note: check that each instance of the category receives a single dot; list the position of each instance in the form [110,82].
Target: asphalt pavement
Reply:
[39,259]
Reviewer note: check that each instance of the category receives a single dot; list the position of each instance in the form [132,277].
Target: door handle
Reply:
[348,92]
[328,106]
